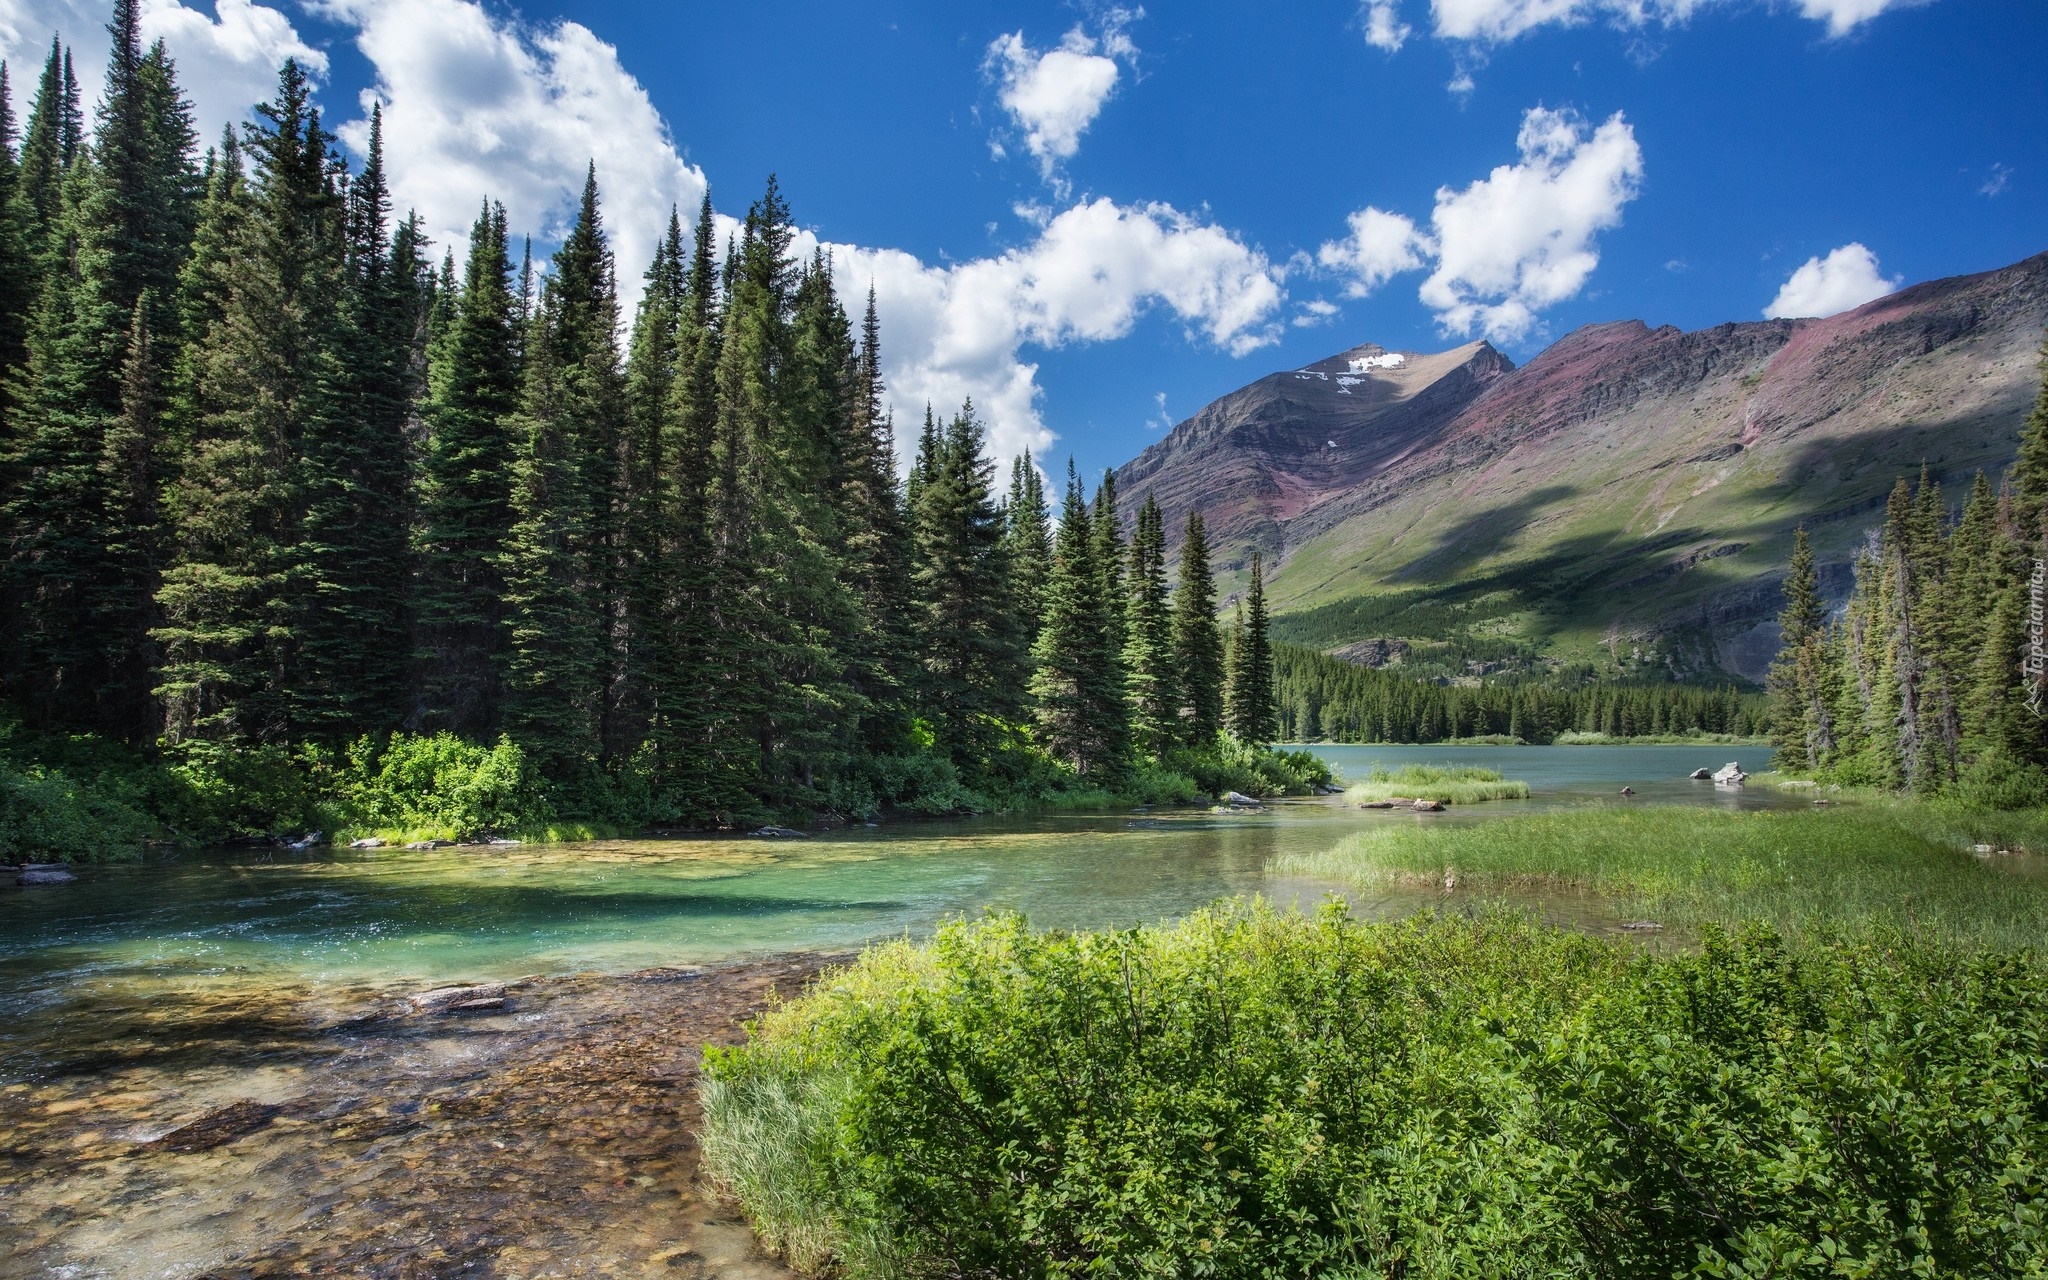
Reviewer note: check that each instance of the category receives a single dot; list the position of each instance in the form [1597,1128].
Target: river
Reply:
[260,996]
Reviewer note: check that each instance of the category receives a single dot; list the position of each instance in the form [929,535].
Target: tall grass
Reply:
[1898,864]
[1446,784]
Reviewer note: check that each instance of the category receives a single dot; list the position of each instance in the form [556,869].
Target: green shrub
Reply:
[1997,781]
[439,782]
[1230,765]
[223,792]
[46,816]
[1254,1093]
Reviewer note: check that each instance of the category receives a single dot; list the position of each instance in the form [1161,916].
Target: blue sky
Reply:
[1071,210]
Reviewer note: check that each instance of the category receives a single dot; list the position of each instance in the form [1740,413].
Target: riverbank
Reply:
[267,1129]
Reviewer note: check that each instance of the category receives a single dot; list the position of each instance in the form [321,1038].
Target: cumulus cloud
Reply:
[960,330]
[1521,239]
[1500,21]
[1053,95]
[477,106]
[1383,26]
[1381,246]
[226,62]
[1846,278]
[1512,243]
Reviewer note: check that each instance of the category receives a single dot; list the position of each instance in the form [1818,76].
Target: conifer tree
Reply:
[1078,678]
[651,478]
[355,551]
[1197,643]
[1108,524]
[876,547]
[465,494]
[17,268]
[236,596]
[1800,726]
[1252,715]
[1151,674]
[1027,533]
[972,658]
[554,681]
[2030,469]
[39,197]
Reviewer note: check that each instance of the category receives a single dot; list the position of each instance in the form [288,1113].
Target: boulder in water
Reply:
[1628,791]
[1701,775]
[778,833]
[1240,798]
[1428,806]
[448,999]
[46,873]
[1730,775]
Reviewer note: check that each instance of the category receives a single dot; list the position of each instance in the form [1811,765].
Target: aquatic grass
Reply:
[1446,784]
[1898,864]
[1250,1092]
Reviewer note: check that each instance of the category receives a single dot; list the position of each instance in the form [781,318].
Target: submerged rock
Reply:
[46,873]
[779,833]
[218,1128]
[1377,804]
[431,844]
[1428,806]
[448,999]
[1642,926]
[368,842]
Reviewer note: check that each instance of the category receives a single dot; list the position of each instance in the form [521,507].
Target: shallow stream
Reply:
[260,995]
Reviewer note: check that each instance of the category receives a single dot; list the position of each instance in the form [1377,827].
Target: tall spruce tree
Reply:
[465,495]
[972,655]
[1077,680]
[1800,728]
[1250,711]
[354,552]
[876,548]
[2030,469]
[651,477]
[236,595]
[1151,674]
[1197,642]
[1027,533]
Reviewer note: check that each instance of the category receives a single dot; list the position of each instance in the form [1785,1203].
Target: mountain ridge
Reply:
[1630,489]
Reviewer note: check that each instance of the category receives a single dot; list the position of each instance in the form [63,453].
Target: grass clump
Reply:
[1901,865]
[1446,784]
[1255,1093]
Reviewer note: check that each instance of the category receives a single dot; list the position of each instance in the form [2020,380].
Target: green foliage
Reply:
[1197,642]
[1446,784]
[1225,764]
[1250,712]
[47,816]
[1254,1093]
[232,791]
[439,782]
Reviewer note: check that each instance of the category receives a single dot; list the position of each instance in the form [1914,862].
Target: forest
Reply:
[303,525]
[1327,699]
[1922,683]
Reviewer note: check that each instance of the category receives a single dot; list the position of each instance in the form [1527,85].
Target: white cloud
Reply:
[1846,278]
[1993,185]
[478,107]
[1521,239]
[1093,271]
[1315,313]
[1054,95]
[226,63]
[1383,26]
[1500,21]
[1381,245]
[1512,243]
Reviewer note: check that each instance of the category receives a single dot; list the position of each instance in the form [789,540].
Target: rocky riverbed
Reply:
[245,1130]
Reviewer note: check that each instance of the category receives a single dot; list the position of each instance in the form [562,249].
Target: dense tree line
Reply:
[1323,698]
[1920,683]
[272,479]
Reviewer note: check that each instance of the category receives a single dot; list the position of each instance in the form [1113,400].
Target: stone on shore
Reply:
[448,999]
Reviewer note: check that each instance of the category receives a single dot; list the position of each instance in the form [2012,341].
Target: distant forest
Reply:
[279,488]
[1325,699]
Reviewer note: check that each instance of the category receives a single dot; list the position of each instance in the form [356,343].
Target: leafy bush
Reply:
[439,782]
[223,792]
[46,816]
[1230,765]
[1253,1093]
[1997,781]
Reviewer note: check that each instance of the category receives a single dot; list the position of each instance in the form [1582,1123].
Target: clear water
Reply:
[392,916]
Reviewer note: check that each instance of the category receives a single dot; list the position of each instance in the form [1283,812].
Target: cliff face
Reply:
[1629,489]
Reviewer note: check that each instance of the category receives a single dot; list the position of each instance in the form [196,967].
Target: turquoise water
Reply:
[388,918]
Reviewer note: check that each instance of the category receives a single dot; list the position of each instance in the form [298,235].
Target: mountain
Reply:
[1626,498]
